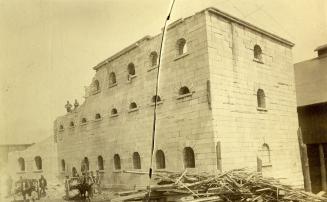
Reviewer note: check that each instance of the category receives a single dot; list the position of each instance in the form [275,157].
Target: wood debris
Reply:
[233,185]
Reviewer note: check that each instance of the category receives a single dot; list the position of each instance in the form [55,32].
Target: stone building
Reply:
[311,81]
[226,100]
[39,159]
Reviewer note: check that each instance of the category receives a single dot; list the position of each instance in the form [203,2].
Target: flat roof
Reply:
[211,10]
[311,81]
[322,47]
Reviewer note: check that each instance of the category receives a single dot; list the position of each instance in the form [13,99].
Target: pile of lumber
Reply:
[233,185]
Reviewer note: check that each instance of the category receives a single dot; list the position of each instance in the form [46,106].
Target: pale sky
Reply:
[48,48]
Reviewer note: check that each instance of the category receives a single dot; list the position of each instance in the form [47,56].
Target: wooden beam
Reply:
[322,168]
[305,162]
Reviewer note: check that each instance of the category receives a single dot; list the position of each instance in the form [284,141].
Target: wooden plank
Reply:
[215,198]
[305,162]
[322,167]
[133,196]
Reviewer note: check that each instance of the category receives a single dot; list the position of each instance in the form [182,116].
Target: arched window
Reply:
[265,154]
[131,69]
[74,172]
[97,116]
[38,162]
[117,162]
[96,85]
[85,165]
[189,160]
[154,98]
[61,127]
[63,165]
[154,58]
[136,160]
[257,52]
[71,124]
[184,90]
[261,98]
[160,159]
[114,111]
[83,120]
[21,164]
[181,46]
[100,163]
[133,105]
[112,78]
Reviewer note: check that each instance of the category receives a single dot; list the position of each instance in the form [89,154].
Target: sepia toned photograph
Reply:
[163,100]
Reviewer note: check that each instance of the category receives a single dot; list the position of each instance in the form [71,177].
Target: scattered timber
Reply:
[233,185]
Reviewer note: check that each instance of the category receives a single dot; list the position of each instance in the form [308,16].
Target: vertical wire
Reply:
[156,97]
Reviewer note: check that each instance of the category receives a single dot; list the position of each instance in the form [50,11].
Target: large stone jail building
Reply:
[226,100]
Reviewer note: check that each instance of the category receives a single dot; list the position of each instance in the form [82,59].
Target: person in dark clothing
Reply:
[43,185]
[25,185]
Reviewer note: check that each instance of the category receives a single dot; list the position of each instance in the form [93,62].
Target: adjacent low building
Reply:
[39,159]
[311,81]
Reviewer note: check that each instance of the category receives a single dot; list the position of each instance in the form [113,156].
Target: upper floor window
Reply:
[160,159]
[261,98]
[131,69]
[97,116]
[114,112]
[21,164]
[83,120]
[156,98]
[257,53]
[112,79]
[265,154]
[133,106]
[189,160]
[100,163]
[136,160]
[154,58]
[38,162]
[96,85]
[184,90]
[181,46]
[117,163]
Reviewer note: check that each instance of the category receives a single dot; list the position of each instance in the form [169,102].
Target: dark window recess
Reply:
[63,165]
[21,163]
[133,105]
[154,58]
[261,98]
[189,160]
[181,46]
[257,53]
[184,90]
[112,78]
[160,159]
[114,111]
[100,163]
[97,116]
[117,162]
[156,97]
[136,160]
[38,162]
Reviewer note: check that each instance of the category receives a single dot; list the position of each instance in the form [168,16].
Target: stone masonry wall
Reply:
[235,77]
[182,122]
[47,150]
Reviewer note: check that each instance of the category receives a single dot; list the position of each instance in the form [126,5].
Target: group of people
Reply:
[87,184]
[31,189]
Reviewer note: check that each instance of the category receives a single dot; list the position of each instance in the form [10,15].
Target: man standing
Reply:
[43,185]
